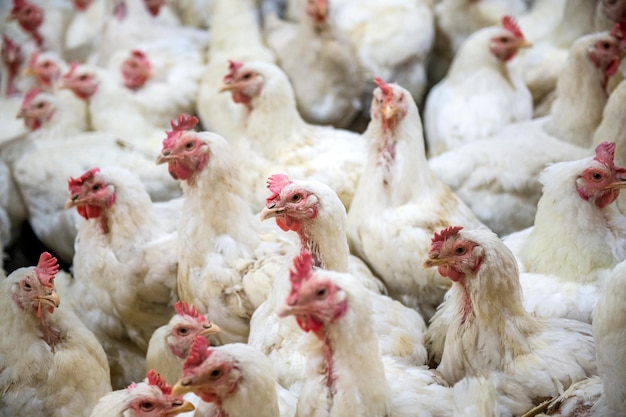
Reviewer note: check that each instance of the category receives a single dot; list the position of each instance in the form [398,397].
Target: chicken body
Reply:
[227,259]
[480,94]
[333,156]
[491,330]
[568,253]
[217,112]
[314,211]
[170,344]
[51,364]
[322,67]
[399,203]
[235,380]
[501,185]
[124,266]
[149,398]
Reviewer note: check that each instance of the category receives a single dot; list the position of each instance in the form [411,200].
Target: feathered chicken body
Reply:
[400,202]
[480,93]
[321,66]
[314,212]
[50,364]
[332,156]
[124,265]
[151,397]
[227,260]
[501,185]
[234,380]
[578,237]
[170,344]
[491,330]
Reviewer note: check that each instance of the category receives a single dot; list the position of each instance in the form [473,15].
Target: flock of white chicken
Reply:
[431,188]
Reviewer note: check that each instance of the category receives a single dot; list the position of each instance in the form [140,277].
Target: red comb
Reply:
[439,238]
[155,378]
[276,183]
[618,31]
[510,24]
[198,352]
[233,67]
[30,96]
[182,125]
[47,268]
[605,153]
[72,70]
[138,54]
[74,184]
[302,269]
[184,309]
[17,5]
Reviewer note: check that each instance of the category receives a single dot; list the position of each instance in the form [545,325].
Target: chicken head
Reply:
[314,300]
[186,325]
[183,151]
[45,67]
[30,17]
[615,10]
[242,82]
[454,256]
[505,44]
[291,205]
[81,80]
[91,195]
[33,288]
[317,10]
[37,108]
[154,6]
[136,69]
[601,182]
[389,104]
[154,398]
[212,374]
[606,54]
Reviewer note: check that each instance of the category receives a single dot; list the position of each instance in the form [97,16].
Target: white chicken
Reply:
[321,66]
[501,185]
[170,344]
[491,330]
[124,265]
[333,308]
[399,203]
[50,363]
[234,380]
[480,94]
[333,156]
[227,259]
[111,107]
[229,41]
[578,237]
[392,40]
[149,398]
[315,213]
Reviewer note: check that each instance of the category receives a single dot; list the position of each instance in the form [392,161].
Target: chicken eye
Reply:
[183,331]
[96,187]
[460,250]
[504,39]
[189,145]
[215,374]
[41,105]
[27,286]
[596,176]
[46,64]
[605,45]
[296,197]
[146,406]
[321,292]
[247,76]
